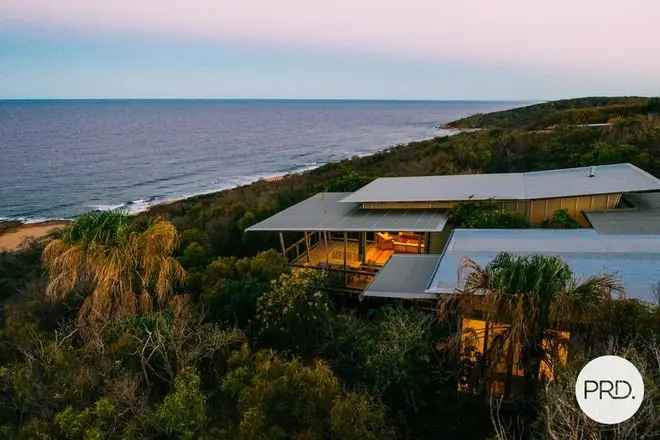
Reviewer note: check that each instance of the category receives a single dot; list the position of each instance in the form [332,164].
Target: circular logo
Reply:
[609,389]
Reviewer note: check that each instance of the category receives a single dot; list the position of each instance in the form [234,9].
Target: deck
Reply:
[334,255]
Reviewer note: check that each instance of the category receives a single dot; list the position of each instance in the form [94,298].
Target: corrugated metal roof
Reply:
[633,259]
[626,222]
[508,186]
[323,212]
[405,277]
[644,219]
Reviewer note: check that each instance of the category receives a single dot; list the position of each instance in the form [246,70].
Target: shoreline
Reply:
[272,178]
[16,235]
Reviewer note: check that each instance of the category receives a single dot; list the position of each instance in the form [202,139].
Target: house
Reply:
[633,259]
[377,227]
[391,240]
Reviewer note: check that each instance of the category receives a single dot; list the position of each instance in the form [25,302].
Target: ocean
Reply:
[60,158]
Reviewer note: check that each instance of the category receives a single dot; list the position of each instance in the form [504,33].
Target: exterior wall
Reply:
[542,209]
[438,241]
[537,210]
[408,205]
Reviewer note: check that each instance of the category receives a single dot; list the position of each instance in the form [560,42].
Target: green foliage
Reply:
[233,286]
[183,411]
[486,215]
[534,295]
[604,153]
[566,111]
[195,255]
[103,227]
[183,370]
[192,235]
[283,399]
[349,181]
[294,314]
[398,359]
[536,275]
[561,219]
[92,423]
[357,416]
[17,269]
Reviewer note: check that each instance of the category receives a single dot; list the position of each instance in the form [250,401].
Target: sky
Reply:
[368,49]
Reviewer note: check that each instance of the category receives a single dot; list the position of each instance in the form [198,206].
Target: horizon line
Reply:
[269,99]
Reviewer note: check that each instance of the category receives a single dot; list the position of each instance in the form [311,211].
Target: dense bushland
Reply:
[177,324]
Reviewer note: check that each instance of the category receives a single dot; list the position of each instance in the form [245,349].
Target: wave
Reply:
[32,220]
[141,205]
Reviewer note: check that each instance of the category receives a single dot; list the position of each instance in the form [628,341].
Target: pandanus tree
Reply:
[119,266]
[534,296]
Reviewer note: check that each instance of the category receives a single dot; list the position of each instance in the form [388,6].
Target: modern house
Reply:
[634,259]
[391,240]
[383,223]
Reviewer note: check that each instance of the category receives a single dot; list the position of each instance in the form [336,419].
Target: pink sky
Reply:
[576,35]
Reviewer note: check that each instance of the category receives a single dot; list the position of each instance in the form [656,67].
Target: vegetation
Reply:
[561,219]
[119,267]
[536,296]
[595,110]
[486,215]
[203,331]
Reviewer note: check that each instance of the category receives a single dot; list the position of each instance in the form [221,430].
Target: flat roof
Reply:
[633,259]
[405,277]
[607,179]
[643,219]
[323,212]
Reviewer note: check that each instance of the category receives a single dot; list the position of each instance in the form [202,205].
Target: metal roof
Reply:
[633,259]
[643,219]
[405,277]
[607,179]
[323,212]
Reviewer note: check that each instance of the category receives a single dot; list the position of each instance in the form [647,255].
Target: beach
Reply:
[16,237]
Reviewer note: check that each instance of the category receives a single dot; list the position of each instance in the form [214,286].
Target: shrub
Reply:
[183,411]
[233,286]
[357,416]
[561,219]
[486,215]
[294,315]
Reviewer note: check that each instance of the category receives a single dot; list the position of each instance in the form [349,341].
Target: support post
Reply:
[363,247]
[327,251]
[283,246]
[307,245]
[345,257]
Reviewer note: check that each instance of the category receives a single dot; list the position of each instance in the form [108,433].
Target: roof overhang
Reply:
[404,277]
[324,212]
[634,260]
[569,182]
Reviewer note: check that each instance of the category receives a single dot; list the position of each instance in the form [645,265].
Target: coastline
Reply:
[136,207]
[15,235]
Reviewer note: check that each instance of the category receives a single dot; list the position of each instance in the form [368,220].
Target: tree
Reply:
[286,399]
[398,356]
[233,286]
[561,417]
[561,219]
[358,416]
[183,411]
[486,215]
[534,295]
[294,314]
[119,267]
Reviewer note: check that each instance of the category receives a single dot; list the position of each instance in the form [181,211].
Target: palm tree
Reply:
[535,296]
[118,265]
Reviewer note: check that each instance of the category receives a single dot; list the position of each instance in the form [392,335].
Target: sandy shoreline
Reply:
[17,236]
